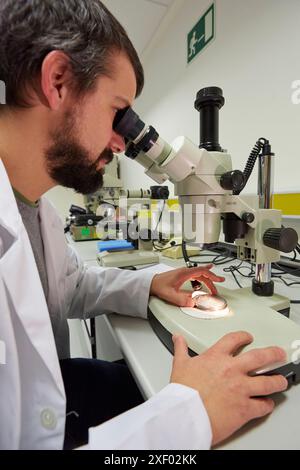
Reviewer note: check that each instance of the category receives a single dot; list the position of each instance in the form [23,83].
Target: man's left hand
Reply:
[167,286]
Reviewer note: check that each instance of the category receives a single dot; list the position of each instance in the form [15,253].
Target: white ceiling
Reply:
[140,18]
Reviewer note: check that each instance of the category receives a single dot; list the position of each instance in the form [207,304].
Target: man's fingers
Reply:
[267,385]
[207,266]
[186,274]
[180,348]
[199,268]
[181,297]
[232,342]
[211,276]
[258,358]
[209,284]
[260,407]
[186,299]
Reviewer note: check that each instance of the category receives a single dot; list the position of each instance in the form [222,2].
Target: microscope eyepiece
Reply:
[139,136]
[128,124]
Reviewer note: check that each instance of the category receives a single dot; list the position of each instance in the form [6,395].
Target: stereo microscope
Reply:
[209,193]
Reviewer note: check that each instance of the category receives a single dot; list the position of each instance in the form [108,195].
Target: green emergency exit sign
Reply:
[201,34]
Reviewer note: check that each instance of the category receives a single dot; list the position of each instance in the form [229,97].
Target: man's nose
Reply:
[117,143]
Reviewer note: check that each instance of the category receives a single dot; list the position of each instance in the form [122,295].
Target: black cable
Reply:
[288,284]
[186,258]
[251,161]
[294,257]
[292,271]
[158,222]
[233,268]
[225,258]
[234,276]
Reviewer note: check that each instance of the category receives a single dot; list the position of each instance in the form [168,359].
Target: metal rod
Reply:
[263,273]
[265,181]
[265,193]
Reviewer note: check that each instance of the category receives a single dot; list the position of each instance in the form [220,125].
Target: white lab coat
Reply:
[32,405]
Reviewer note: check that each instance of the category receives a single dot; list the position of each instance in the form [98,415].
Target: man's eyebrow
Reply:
[124,101]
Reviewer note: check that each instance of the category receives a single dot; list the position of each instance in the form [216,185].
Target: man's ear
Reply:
[55,79]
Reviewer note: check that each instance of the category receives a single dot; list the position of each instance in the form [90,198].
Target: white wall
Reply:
[254,58]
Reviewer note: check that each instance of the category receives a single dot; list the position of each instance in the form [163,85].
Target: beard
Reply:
[69,163]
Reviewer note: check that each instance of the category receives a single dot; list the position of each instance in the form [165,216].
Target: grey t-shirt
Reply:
[31,219]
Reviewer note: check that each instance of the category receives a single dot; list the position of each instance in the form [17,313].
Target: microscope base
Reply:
[259,316]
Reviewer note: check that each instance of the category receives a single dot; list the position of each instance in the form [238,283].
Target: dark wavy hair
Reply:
[83,29]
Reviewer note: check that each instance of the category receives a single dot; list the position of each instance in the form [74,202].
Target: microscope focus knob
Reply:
[248,217]
[233,180]
[281,239]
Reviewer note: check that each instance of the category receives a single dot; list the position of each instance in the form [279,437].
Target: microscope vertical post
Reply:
[263,285]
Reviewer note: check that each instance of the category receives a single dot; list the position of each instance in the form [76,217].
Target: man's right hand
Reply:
[230,395]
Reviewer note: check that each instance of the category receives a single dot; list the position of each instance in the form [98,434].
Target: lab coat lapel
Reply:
[23,283]
[20,275]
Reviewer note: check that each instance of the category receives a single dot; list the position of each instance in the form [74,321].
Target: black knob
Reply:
[232,180]
[248,217]
[77,210]
[281,239]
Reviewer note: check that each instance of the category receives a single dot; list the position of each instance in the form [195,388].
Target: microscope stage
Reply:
[246,312]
